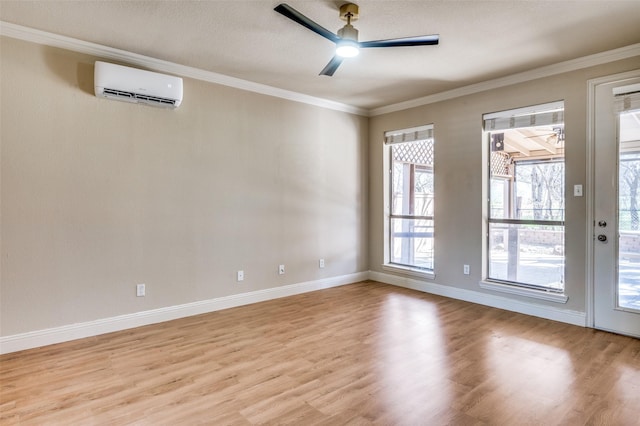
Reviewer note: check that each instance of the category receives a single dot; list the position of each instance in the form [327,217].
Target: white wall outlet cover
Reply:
[140,290]
[577,190]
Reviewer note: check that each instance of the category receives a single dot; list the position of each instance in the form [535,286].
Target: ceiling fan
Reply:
[347,44]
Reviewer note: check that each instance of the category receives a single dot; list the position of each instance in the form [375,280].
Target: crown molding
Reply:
[546,71]
[49,39]
[104,52]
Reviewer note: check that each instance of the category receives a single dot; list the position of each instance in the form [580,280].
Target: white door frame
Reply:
[590,225]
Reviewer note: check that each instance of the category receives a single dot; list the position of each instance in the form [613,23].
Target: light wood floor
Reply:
[361,354]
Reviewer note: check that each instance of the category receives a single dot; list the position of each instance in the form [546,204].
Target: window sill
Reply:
[407,270]
[527,292]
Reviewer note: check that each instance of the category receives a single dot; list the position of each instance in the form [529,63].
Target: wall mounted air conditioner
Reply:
[138,86]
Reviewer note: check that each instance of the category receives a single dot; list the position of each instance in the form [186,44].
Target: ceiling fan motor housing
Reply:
[348,32]
[349,12]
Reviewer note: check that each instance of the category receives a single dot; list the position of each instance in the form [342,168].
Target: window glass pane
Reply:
[539,190]
[412,242]
[398,189]
[526,189]
[411,239]
[423,191]
[412,178]
[527,254]
[499,198]
[629,191]
[629,211]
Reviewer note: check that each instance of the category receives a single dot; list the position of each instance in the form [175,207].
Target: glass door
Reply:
[616,246]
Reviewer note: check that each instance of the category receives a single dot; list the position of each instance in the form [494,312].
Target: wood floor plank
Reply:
[362,354]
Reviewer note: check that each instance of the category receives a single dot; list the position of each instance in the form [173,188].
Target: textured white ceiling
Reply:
[479,40]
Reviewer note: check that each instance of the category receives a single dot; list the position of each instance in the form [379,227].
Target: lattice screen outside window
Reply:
[419,152]
[501,164]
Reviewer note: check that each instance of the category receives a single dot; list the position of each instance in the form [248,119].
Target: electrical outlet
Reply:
[281,269]
[240,276]
[140,290]
[321,263]
[465,269]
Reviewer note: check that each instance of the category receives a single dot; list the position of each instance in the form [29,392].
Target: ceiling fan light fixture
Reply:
[347,48]
[346,40]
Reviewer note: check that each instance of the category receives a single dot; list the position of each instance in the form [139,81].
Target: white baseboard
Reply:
[495,301]
[38,338]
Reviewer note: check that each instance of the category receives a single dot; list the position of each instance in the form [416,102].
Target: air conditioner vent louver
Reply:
[138,96]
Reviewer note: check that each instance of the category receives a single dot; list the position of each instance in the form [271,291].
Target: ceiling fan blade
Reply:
[294,15]
[426,40]
[332,66]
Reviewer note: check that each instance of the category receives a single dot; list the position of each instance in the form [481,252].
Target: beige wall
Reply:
[99,195]
[459,168]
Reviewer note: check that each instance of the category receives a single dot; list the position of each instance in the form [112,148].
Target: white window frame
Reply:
[408,135]
[538,115]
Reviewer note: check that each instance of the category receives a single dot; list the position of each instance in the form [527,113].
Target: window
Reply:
[411,198]
[525,218]
[627,105]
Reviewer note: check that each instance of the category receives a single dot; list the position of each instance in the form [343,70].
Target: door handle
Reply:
[602,238]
